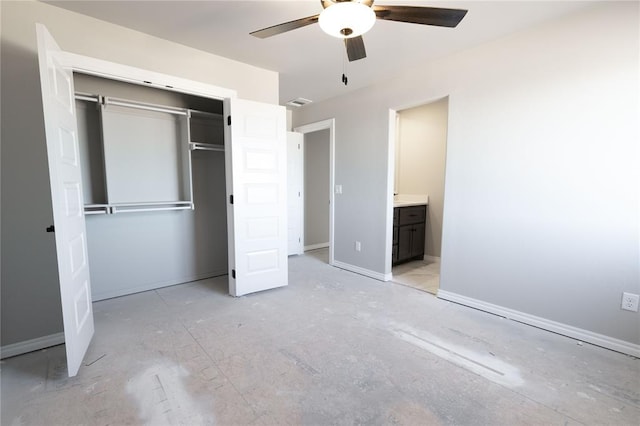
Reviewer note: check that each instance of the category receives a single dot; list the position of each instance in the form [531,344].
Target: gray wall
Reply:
[422,140]
[541,197]
[316,188]
[138,251]
[30,303]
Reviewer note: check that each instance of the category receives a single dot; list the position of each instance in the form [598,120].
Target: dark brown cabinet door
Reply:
[404,242]
[417,240]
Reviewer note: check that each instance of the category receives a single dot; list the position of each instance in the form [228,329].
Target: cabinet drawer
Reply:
[413,214]
[396,216]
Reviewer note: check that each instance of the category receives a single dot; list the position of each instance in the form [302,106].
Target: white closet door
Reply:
[66,193]
[257,179]
[295,183]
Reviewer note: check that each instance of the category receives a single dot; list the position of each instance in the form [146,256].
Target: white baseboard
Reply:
[366,272]
[97,296]
[316,246]
[434,259]
[31,345]
[556,327]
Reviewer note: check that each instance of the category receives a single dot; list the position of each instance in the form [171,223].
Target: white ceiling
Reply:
[310,62]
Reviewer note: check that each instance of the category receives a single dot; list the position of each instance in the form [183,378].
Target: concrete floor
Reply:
[332,348]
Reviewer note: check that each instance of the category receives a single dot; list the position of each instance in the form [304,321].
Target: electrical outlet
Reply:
[359,247]
[630,302]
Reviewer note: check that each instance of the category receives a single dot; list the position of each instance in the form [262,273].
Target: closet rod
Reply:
[144,106]
[205,113]
[195,146]
[152,209]
[87,97]
[151,203]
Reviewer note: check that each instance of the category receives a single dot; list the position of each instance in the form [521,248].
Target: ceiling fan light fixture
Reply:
[347,19]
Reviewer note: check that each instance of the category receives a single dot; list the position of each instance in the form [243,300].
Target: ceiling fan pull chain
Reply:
[345,80]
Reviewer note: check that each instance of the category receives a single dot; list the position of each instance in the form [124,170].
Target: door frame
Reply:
[299,180]
[392,174]
[120,72]
[329,124]
[115,71]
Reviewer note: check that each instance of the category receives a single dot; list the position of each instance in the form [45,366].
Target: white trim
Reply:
[31,345]
[314,127]
[434,259]
[391,182]
[115,71]
[316,246]
[366,272]
[549,325]
[299,180]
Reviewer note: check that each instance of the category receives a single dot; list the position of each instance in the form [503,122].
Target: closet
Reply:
[153,177]
[135,212]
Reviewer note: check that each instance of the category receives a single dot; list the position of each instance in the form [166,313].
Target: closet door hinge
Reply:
[228,120]
[233,274]
[231,199]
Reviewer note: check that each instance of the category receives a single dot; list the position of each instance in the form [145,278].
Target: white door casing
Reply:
[256,167]
[295,184]
[67,200]
[314,127]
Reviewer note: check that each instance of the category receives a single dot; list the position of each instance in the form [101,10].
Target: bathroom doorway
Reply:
[419,178]
[318,164]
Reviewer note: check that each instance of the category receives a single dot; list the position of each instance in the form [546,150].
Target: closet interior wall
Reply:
[137,251]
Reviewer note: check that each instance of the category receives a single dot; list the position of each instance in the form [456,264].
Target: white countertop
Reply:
[406,200]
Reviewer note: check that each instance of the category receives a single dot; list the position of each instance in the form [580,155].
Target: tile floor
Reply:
[333,347]
[420,274]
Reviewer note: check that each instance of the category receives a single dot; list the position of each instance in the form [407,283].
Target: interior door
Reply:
[256,166]
[295,183]
[66,194]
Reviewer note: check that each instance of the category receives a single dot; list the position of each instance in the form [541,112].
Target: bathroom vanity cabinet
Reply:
[408,233]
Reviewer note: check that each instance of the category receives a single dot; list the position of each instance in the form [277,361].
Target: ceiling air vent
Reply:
[298,102]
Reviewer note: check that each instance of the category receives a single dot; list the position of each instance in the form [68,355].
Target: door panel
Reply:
[66,194]
[257,180]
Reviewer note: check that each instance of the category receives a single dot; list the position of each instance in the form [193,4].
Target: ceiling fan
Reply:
[349,19]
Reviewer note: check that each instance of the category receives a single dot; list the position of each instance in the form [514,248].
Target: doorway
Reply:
[318,148]
[316,190]
[420,156]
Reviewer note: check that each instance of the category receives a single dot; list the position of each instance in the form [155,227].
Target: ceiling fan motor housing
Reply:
[327,3]
[346,19]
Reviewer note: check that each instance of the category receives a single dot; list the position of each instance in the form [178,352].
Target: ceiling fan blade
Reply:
[355,48]
[439,17]
[287,26]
